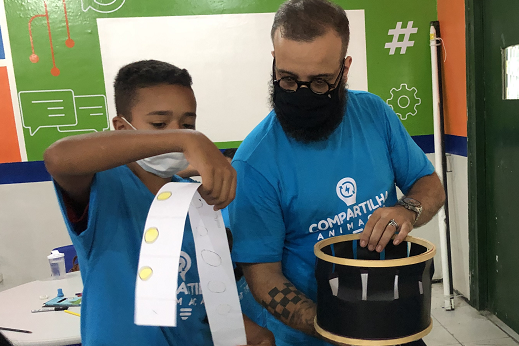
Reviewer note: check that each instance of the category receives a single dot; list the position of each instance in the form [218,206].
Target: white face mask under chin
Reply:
[163,165]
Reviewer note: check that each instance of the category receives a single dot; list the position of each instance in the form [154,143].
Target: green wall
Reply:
[81,72]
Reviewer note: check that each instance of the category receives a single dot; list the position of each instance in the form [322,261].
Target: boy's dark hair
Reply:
[142,74]
[229,153]
[305,20]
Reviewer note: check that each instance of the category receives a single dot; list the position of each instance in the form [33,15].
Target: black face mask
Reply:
[307,116]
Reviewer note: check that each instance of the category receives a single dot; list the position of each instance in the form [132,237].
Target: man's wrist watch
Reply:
[411,204]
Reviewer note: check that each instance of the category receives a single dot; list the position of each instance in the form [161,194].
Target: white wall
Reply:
[458,199]
[458,206]
[30,227]
[231,110]
[431,233]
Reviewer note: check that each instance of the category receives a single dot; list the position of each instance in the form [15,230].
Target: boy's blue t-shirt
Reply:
[108,254]
[291,195]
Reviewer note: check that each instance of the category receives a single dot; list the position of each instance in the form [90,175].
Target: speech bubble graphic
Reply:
[106,6]
[47,108]
[347,190]
[92,115]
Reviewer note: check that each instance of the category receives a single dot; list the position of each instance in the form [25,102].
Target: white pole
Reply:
[447,296]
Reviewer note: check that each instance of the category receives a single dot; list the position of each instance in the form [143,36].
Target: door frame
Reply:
[476,122]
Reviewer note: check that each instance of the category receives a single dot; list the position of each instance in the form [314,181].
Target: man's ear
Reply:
[119,123]
[273,54]
[347,65]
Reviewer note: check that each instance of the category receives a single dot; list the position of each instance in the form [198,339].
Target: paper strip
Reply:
[157,277]
[216,275]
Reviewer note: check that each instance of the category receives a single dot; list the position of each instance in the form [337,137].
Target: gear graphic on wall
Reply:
[404,101]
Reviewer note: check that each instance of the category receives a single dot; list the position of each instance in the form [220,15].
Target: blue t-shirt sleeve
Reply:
[101,184]
[408,160]
[256,218]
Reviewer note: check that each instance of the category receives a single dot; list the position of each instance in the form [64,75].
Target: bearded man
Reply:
[325,162]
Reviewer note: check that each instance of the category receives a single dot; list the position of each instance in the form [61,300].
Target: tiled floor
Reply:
[462,326]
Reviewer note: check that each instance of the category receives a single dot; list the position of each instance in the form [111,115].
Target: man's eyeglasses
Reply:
[318,85]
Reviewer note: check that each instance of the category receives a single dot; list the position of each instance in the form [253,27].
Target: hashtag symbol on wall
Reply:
[396,32]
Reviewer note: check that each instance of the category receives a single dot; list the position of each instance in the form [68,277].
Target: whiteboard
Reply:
[228,56]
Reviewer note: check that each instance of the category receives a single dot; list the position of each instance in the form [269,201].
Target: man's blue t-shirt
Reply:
[108,254]
[290,195]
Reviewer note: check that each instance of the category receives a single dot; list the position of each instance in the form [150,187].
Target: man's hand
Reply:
[428,190]
[256,335]
[218,176]
[378,230]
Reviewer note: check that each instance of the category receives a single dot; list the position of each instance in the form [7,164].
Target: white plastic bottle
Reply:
[57,264]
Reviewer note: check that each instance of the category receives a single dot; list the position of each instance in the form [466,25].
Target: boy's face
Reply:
[163,107]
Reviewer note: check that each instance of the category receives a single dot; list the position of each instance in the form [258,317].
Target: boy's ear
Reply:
[119,123]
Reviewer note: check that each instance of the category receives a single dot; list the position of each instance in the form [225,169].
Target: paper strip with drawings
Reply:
[155,298]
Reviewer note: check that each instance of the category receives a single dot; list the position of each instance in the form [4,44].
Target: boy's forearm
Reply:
[92,153]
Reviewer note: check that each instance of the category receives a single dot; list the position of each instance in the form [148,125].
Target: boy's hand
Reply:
[218,176]
[256,335]
[264,343]
[188,172]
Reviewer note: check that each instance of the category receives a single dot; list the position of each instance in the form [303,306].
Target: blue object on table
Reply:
[62,301]
[60,292]
[70,253]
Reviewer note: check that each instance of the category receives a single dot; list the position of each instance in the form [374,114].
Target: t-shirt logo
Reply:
[347,190]
[184,264]
[188,292]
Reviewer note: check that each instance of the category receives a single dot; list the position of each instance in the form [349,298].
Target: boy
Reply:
[105,184]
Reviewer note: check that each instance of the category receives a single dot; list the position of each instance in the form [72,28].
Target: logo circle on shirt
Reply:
[347,190]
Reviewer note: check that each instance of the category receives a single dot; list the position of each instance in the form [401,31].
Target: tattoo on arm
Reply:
[304,316]
[292,307]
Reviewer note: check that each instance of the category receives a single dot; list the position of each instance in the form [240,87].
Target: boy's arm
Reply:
[73,161]
[188,172]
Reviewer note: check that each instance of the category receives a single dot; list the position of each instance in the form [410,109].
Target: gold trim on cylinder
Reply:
[431,251]
[427,255]
[365,342]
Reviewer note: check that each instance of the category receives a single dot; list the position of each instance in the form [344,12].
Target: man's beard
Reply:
[317,133]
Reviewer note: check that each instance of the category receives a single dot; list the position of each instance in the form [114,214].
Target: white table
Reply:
[52,328]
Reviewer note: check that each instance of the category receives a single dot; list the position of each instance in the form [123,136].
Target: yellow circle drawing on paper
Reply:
[151,235]
[145,273]
[164,196]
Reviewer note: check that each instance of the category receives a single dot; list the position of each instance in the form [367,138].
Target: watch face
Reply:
[411,201]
